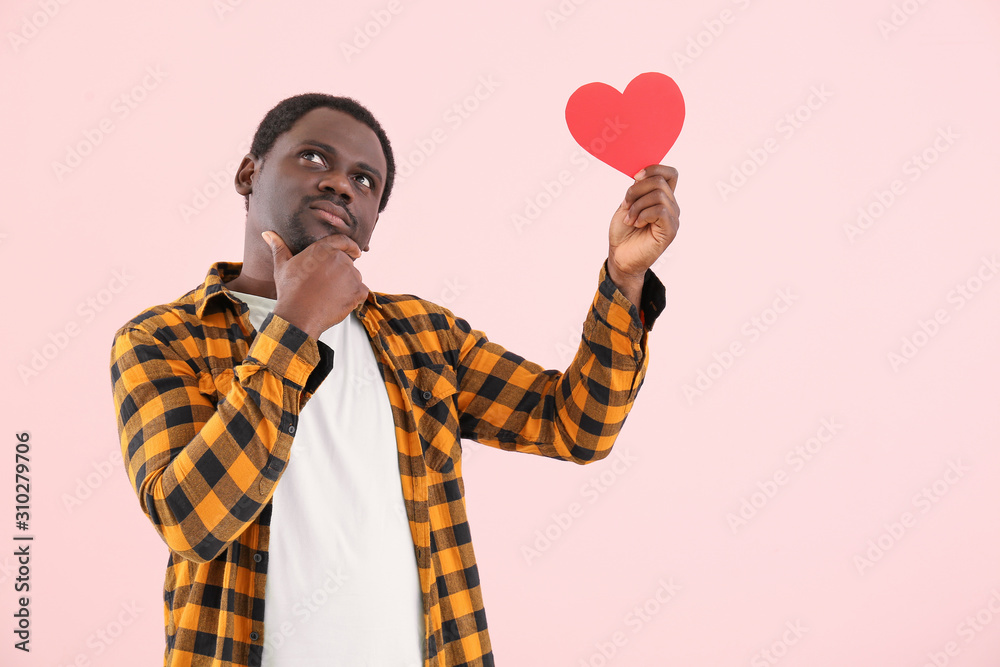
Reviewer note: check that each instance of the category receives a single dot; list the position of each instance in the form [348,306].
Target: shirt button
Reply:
[257,558]
[291,429]
[427,395]
[254,636]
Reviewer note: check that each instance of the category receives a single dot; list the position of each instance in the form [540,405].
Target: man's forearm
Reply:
[177,432]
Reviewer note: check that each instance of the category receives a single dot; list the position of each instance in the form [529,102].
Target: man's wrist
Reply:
[310,329]
[630,286]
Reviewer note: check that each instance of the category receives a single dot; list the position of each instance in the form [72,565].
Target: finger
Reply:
[649,183]
[328,244]
[669,173]
[641,212]
[620,213]
[363,294]
[279,251]
[347,244]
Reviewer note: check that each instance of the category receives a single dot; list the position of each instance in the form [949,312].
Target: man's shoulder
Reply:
[200,304]
[190,314]
[412,312]
[182,311]
[424,333]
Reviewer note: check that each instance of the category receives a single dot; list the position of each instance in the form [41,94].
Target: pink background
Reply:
[619,537]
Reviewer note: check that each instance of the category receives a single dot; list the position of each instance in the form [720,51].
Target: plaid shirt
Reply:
[207,409]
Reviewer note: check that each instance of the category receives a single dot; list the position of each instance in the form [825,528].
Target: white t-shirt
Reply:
[342,584]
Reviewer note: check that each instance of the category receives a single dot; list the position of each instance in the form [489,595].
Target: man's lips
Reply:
[334,215]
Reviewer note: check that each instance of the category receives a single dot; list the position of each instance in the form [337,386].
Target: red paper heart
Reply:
[629,130]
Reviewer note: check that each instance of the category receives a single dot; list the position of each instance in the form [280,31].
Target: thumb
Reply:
[279,251]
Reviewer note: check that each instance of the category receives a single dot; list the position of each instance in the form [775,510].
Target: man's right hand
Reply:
[318,287]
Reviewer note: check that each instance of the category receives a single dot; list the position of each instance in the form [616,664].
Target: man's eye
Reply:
[319,159]
[368,182]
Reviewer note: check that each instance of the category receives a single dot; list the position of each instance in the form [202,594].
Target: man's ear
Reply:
[244,175]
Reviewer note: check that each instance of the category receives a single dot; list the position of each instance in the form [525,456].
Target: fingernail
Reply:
[640,174]
[266,237]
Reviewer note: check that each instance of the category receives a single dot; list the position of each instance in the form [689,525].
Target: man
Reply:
[336,533]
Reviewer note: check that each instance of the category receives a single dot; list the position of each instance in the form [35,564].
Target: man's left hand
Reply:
[643,226]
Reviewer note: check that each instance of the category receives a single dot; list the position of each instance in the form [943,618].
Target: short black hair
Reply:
[280,119]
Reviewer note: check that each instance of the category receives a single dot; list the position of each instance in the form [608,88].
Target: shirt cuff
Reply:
[652,301]
[290,353]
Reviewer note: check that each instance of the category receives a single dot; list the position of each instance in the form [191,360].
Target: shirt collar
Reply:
[214,290]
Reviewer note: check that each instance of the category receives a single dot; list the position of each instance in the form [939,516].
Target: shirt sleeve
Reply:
[204,471]
[508,402]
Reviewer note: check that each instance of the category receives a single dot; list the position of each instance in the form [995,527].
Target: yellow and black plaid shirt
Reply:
[207,409]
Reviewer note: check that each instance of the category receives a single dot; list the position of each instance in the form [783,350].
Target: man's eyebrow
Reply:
[333,151]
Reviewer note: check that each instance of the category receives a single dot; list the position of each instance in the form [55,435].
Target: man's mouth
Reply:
[334,215]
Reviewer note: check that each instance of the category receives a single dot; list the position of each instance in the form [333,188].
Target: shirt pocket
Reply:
[434,392]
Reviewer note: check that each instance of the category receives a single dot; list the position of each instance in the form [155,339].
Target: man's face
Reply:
[324,176]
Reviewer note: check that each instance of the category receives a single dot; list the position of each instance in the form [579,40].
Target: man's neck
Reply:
[248,285]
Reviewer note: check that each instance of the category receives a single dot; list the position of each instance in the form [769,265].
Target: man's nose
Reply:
[337,181]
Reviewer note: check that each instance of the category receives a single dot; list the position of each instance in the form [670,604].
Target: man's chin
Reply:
[304,239]
[298,245]
[330,232]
